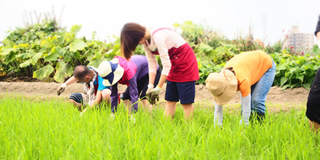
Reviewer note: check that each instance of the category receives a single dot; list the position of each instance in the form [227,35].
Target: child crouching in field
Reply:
[134,74]
[251,73]
[94,91]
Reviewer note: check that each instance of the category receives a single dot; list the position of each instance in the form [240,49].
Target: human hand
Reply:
[81,113]
[61,88]
[155,91]
[153,94]
[153,98]
[150,87]
[91,104]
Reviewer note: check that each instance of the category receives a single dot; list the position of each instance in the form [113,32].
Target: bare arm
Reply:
[97,100]
[62,87]
[163,78]
[152,77]
[71,80]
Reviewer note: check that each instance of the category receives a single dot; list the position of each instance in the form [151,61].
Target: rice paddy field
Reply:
[53,129]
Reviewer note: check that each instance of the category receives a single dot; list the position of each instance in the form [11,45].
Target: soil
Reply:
[48,89]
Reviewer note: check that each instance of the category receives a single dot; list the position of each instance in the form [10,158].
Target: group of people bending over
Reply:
[252,73]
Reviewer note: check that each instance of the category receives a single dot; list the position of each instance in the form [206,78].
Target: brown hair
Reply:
[131,34]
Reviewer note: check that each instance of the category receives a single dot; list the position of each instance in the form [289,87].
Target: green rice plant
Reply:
[53,129]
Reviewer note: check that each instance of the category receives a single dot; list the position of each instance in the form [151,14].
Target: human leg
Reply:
[106,95]
[172,97]
[314,126]
[186,92]
[142,89]
[260,91]
[188,111]
[77,100]
[126,99]
[170,109]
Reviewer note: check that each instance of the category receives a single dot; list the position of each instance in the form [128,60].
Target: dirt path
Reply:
[43,89]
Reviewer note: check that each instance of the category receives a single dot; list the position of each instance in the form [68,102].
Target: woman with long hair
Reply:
[180,67]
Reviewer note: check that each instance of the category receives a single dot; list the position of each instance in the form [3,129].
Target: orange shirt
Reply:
[249,67]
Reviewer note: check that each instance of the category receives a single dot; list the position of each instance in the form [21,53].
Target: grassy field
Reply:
[52,129]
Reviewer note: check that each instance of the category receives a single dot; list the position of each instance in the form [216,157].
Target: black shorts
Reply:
[313,104]
[77,97]
[183,91]
[142,85]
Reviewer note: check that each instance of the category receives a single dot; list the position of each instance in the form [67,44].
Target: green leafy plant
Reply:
[43,51]
[295,71]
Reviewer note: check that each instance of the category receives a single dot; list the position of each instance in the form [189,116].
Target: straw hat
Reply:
[223,86]
[111,72]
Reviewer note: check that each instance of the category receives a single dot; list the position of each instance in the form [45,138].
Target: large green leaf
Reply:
[10,57]
[90,55]
[32,60]
[115,49]
[25,63]
[300,77]
[25,55]
[6,51]
[283,80]
[77,45]
[281,67]
[63,70]
[46,43]
[8,43]
[54,54]
[95,62]
[75,29]
[316,49]
[43,72]
[36,57]
[306,85]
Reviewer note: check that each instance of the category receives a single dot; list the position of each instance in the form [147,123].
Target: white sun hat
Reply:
[223,86]
[110,71]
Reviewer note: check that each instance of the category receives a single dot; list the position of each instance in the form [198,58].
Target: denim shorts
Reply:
[183,91]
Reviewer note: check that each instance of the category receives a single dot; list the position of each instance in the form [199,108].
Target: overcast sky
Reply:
[269,18]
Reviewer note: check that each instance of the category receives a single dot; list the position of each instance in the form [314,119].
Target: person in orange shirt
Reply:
[252,73]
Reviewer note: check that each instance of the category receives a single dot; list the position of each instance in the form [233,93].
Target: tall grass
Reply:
[53,129]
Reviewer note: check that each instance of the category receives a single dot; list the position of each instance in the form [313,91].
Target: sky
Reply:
[270,19]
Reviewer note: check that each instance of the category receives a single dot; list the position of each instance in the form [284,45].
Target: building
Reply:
[301,42]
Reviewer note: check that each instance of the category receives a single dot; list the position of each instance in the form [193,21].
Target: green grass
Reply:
[53,129]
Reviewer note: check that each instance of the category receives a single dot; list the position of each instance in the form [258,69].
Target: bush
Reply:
[44,51]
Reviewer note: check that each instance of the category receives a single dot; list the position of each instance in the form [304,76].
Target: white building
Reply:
[300,42]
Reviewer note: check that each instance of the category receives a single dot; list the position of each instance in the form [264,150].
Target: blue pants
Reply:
[260,90]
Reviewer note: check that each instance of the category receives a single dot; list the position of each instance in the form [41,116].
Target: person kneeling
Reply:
[134,74]
[94,91]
